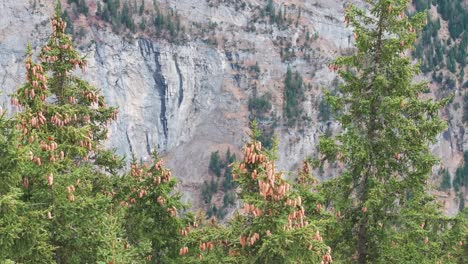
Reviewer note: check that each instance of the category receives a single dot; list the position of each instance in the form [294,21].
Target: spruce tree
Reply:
[151,217]
[23,238]
[62,198]
[272,226]
[215,163]
[386,214]
[142,7]
[60,126]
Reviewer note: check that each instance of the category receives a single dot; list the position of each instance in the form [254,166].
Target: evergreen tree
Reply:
[270,11]
[465,107]
[461,175]
[142,7]
[23,237]
[105,14]
[83,7]
[143,23]
[228,181]
[126,17]
[61,126]
[99,9]
[386,130]
[293,97]
[152,206]
[445,184]
[272,227]
[215,163]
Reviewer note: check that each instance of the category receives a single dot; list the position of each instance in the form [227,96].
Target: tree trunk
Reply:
[362,240]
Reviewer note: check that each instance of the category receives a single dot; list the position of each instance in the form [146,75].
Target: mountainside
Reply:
[191,89]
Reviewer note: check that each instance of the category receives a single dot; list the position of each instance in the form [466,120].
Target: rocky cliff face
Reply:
[189,99]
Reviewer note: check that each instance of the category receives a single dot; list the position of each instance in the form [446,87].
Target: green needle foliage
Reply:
[23,237]
[387,215]
[61,197]
[151,221]
[58,133]
[273,225]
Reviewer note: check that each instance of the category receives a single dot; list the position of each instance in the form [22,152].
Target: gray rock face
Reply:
[20,24]
[162,91]
[190,99]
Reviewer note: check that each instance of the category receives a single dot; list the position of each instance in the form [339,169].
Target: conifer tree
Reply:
[215,163]
[387,215]
[142,7]
[62,199]
[22,237]
[151,217]
[61,125]
[271,227]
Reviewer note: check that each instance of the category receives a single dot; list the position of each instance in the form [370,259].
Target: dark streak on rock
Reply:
[148,147]
[181,82]
[129,143]
[147,49]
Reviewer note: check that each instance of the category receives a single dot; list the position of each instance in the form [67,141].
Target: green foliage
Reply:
[142,7]
[255,68]
[151,220]
[260,106]
[461,175]
[229,199]
[465,108]
[422,5]
[324,111]
[70,28]
[293,97]
[123,14]
[169,23]
[99,8]
[23,235]
[456,13]
[143,24]
[273,226]
[81,6]
[228,181]
[461,198]
[386,130]
[61,188]
[461,53]
[287,53]
[215,163]
[430,49]
[451,63]
[126,18]
[66,199]
[270,10]
[445,184]
[208,189]
[58,201]
[280,17]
